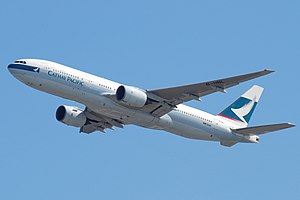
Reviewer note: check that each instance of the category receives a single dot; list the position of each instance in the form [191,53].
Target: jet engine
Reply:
[70,115]
[131,96]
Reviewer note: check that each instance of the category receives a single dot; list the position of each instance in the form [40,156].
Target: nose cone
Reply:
[12,69]
[24,72]
[9,67]
[17,73]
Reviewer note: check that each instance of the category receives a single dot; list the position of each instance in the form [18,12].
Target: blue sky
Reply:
[150,44]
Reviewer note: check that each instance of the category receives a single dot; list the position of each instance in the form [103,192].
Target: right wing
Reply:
[167,98]
[256,130]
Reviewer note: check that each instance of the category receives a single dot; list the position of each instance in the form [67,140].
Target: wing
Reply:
[256,130]
[98,122]
[164,100]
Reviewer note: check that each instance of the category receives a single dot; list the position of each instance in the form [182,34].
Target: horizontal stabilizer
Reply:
[256,130]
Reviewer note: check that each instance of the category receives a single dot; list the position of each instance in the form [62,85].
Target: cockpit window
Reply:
[20,61]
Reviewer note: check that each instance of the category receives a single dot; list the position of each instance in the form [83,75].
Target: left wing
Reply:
[97,122]
[166,99]
[256,130]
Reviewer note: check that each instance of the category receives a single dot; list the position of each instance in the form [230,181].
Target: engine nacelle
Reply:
[71,116]
[131,96]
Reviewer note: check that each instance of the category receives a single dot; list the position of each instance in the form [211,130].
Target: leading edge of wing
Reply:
[205,88]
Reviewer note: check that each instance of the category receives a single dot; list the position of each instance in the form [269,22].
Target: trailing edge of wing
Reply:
[256,130]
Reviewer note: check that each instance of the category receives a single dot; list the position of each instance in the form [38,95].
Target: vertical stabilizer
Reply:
[240,111]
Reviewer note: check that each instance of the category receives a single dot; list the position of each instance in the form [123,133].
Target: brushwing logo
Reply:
[36,69]
[240,110]
[245,110]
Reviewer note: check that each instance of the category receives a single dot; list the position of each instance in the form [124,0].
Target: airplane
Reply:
[110,104]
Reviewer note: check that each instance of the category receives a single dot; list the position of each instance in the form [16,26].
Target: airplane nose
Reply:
[9,67]
[15,69]
[20,69]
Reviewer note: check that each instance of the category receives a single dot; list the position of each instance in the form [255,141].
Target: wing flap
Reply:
[98,122]
[87,129]
[257,130]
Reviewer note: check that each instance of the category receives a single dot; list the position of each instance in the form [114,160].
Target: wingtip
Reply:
[291,124]
[269,71]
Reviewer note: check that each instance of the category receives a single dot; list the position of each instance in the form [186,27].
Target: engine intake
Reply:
[131,96]
[71,116]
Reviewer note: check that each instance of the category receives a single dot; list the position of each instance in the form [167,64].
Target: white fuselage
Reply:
[91,91]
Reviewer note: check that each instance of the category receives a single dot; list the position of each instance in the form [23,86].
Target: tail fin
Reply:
[240,111]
